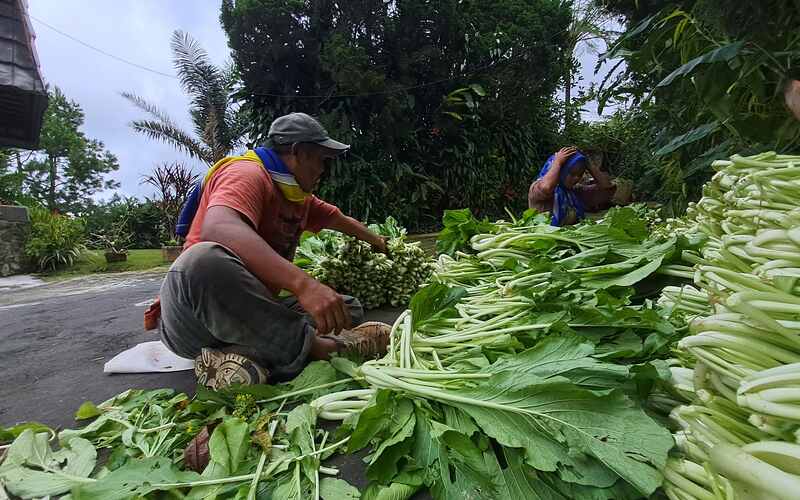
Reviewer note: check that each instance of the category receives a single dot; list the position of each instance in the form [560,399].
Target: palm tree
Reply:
[590,25]
[218,123]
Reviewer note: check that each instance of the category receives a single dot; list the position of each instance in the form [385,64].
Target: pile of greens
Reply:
[353,268]
[256,448]
[739,424]
[523,370]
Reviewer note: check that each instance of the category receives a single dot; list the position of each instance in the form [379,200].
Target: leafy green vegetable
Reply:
[86,411]
[352,267]
[32,469]
[432,300]
[459,227]
[135,478]
[337,489]
[9,434]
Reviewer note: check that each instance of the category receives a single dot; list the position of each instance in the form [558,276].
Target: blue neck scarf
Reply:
[565,199]
[279,172]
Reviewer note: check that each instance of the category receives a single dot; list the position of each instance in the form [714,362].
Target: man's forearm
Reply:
[352,227]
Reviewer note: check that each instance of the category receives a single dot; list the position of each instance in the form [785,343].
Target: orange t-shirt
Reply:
[246,187]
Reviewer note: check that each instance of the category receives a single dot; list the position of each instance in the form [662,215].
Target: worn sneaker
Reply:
[366,341]
[216,370]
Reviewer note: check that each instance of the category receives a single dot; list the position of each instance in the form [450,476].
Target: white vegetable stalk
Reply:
[744,346]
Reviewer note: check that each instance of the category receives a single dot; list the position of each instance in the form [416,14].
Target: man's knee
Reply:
[207,262]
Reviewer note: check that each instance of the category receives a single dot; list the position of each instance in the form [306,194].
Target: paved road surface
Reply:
[55,338]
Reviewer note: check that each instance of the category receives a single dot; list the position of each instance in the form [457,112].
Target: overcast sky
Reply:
[138,31]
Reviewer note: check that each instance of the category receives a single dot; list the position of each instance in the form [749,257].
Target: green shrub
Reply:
[625,141]
[55,240]
[142,220]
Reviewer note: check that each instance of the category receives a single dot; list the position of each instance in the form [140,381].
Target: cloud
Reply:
[139,32]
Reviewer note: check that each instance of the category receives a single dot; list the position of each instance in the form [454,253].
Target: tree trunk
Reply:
[51,195]
[567,98]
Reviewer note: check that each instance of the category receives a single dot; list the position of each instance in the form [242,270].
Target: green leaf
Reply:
[433,300]
[228,447]
[314,374]
[693,135]
[105,427]
[566,355]
[134,479]
[396,443]
[229,443]
[627,279]
[606,427]
[10,433]
[518,480]
[478,89]
[720,54]
[337,489]
[632,32]
[395,491]
[292,486]
[87,410]
[371,421]
[459,421]
[32,469]
[344,365]
[459,227]
[462,455]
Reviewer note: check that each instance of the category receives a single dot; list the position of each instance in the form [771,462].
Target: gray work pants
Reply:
[210,299]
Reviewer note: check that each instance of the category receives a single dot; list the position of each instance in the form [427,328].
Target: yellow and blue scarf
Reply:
[268,159]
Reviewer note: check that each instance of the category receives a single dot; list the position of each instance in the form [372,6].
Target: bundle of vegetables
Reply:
[238,447]
[740,427]
[522,371]
[352,267]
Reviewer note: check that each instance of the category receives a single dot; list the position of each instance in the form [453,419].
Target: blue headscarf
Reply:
[563,198]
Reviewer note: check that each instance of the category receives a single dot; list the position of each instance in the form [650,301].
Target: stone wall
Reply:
[14,228]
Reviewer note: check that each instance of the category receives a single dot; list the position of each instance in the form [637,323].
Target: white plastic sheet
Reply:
[147,357]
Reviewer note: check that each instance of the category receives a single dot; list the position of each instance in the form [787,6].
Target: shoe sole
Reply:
[218,370]
[372,337]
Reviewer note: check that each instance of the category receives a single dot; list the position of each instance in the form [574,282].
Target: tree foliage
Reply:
[218,125]
[142,219]
[10,180]
[710,75]
[68,168]
[590,28]
[382,76]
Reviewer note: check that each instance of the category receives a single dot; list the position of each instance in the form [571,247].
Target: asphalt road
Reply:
[55,338]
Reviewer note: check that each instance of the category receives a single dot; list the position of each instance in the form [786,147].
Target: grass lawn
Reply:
[93,261]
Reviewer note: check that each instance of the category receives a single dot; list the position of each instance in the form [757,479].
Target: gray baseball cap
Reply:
[300,127]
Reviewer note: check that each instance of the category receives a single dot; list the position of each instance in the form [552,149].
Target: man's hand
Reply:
[379,245]
[325,306]
[352,227]
[563,154]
